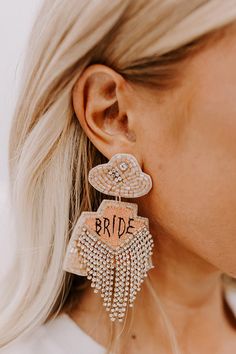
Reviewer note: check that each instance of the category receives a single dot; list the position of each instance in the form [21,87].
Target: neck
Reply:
[190,291]
[181,277]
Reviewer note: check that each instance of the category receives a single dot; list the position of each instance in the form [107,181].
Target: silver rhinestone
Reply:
[123,166]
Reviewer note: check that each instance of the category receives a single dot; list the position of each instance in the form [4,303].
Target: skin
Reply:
[186,142]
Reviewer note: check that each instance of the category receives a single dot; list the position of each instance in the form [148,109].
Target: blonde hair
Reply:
[145,41]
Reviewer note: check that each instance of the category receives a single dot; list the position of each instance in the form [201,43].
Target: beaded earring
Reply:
[112,247]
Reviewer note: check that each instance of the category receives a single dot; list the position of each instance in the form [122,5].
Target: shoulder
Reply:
[57,336]
[37,342]
[49,338]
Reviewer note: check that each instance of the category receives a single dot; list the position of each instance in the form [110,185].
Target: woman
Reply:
[155,79]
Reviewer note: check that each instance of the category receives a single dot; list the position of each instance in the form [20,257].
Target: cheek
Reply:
[194,194]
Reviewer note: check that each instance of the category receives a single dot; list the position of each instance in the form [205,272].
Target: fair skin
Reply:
[186,142]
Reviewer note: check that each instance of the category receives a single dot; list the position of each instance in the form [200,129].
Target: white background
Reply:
[16,19]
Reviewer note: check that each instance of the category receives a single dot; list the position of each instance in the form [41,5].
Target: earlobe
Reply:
[101,107]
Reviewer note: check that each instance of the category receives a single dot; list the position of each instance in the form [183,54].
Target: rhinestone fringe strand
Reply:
[117,273]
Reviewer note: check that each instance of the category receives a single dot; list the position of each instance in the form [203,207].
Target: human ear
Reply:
[101,100]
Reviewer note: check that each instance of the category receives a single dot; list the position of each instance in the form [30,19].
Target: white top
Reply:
[62,335]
